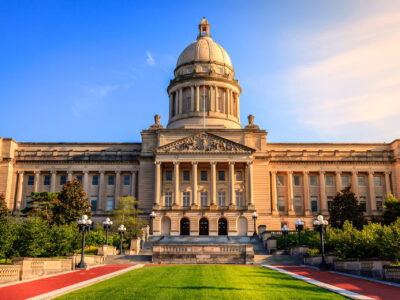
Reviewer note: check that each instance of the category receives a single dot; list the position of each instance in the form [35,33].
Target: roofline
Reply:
[80,143]
[338,144]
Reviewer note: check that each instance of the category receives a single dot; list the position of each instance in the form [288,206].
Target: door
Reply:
[222,226]
[185,226]
[203,226]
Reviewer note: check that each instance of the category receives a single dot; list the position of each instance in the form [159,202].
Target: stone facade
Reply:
[204,173]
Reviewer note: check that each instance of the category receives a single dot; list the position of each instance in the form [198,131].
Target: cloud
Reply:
[150,60]
[352,89]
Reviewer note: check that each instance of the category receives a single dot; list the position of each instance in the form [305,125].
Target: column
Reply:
[230,102]
[177,191]
[171,96]
[322,185]
[194,183]
[338,182]
[192,106]
[180,101]
[371,186]
[37,182]
[250,183]
[69,176]
[354,182]
[133,184]
[232,183]
[53,181]
[177,102]
[274,194]
[19,189]
[157,183]
[86,181]
[306,187]
[216,99]
[198,98]
[117,188]
[387,183]
[290,193]
[100,199]
[238,107]
[213,183]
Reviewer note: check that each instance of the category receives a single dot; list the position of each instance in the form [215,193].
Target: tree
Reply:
[41,205]
[3,207]
[9,228]
[127,214]
[391,209]
[345,207]
[70,204]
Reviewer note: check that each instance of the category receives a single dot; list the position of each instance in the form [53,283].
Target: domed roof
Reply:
[204,49]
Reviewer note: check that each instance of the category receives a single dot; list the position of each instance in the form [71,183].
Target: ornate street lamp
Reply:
[121,230]
[319,225]
[299,227]
[107,223]
[285,232]
[152,216]
[84,225]
[255,216]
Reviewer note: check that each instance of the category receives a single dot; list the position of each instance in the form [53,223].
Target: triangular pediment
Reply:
[206,143]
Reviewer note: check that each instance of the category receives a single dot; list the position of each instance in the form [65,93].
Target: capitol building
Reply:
[207,170]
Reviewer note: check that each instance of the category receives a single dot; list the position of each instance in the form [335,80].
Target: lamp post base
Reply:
[81,265]
[323,265]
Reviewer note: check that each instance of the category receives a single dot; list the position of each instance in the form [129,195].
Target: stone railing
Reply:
[391,273]
[299,251]
[90,260]
[10,273]
[366,267]
[316,260]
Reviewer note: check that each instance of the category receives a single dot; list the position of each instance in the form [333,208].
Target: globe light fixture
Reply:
[299,227]
[319,225]
[285,232]
[107,223]
[84,225]
[121,230]
[254,216]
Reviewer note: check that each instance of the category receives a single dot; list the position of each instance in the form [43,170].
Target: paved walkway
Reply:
[349,286]
[47,287]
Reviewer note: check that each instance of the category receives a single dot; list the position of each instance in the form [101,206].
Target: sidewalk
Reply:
[349,286]
[60,284]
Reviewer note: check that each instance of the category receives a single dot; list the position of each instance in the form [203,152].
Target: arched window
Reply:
[203,226]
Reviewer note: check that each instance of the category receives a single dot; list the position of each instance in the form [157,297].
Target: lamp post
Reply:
[107,223]
[121,230]
[319,225]
[285,232]
[84,225]
[299,227]
[152,216]
[255,216]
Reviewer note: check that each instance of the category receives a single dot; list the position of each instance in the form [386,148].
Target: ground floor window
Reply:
[379,203]
[204,199]
[186,199]
[314,204]
[330,201]
[281,204]
[297,204]
[363,203]
[93,203]
[110,203]
[221,199]
[168,199]
[239,199]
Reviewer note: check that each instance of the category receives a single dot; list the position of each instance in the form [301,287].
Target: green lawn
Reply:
[202,282]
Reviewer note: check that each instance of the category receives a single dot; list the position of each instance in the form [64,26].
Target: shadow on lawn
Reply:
[201,288]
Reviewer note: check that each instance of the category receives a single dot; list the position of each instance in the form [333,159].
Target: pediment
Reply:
[205,143]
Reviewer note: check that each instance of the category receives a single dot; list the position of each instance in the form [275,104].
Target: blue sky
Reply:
[97,71]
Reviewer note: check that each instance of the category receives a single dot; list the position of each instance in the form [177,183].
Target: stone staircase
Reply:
[262,257]
[128,259]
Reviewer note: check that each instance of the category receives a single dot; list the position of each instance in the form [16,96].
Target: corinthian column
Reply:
[157,183]
[194,184]
[387,183]
[19,189]
[192,104]
[53,181]
[37,182]
[213,183]
[250,184]
[371,186]
[232,184]
[274,194]
[307,205]
[323,193]
[176,184]
[290,193]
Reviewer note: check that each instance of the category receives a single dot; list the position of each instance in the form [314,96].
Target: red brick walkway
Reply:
[41,286]
[364,287]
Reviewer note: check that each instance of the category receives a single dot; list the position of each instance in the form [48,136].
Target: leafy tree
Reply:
[41,205]
[9,228]
[3,207]
[391,209]
[127,214]
[345,207]
[71,203]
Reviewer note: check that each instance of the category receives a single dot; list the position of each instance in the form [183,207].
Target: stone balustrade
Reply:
[10,273]
[391,273]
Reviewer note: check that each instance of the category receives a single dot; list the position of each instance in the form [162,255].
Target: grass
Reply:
[202,282]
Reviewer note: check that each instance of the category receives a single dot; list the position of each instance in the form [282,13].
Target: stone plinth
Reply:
[106,250]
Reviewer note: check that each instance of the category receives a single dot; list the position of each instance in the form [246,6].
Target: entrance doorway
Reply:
[185,226]
[203,226]
[222,226]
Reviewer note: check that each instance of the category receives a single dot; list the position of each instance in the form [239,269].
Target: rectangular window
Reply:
[313,180]
[280,180]
[239,176]
[186,199]
[297,204]
[111,179]
[221,199]
[31,180]
[379,203]
[363,203]
[203,175]
[329,180]
[345,181]
[239,199]
[296,179]
[281,204]
[330,201]
[63,179]
[46,180]
[221,175]
[110,203]
[314,204]
[168,199]
[168,175]
[79,178]
[95,180]
[361,180]
[93,203]
[377,180]
[27,201]
[186,175]
[204,199]
[127,180]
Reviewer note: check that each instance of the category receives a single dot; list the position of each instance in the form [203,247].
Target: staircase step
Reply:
[128,259]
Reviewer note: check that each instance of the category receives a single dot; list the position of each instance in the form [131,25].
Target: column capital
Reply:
[306,172]
[176,163]
[290,172]
[69,172]
[85,172]
[118,172]
[232,163]
[102,172]
[274,172]
[20,172]
[387,172]
[157,162]
[36,172]
[53,172]
[213,163]
[339,172]
[250,163]
[322,172]
[195,162]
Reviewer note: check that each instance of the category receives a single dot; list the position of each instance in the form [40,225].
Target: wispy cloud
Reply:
[150,60]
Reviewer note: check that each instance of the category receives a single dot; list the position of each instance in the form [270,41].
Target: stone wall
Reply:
[36,267]
[10,273]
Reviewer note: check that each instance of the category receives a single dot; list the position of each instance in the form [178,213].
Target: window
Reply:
[221,175]
[31,180]
[46,180]
[297,204]
[221,199]
[329,180]
[361,180]
[186,175]
[239,176]
[330,201]
[111,180]
[239,199]
[220,97]
[127,180]
[281,180]
[168,175]
[281,204]
[377,180]
[168,199]
[314,204]
[95,180]
[296,179]
[79,178]
[363,203]
[186,199]
[110,203]
[204,199]
[379,203]
[313,180]
[345,181]
[203,175]
[93,203]
[63,179]
[28,201]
